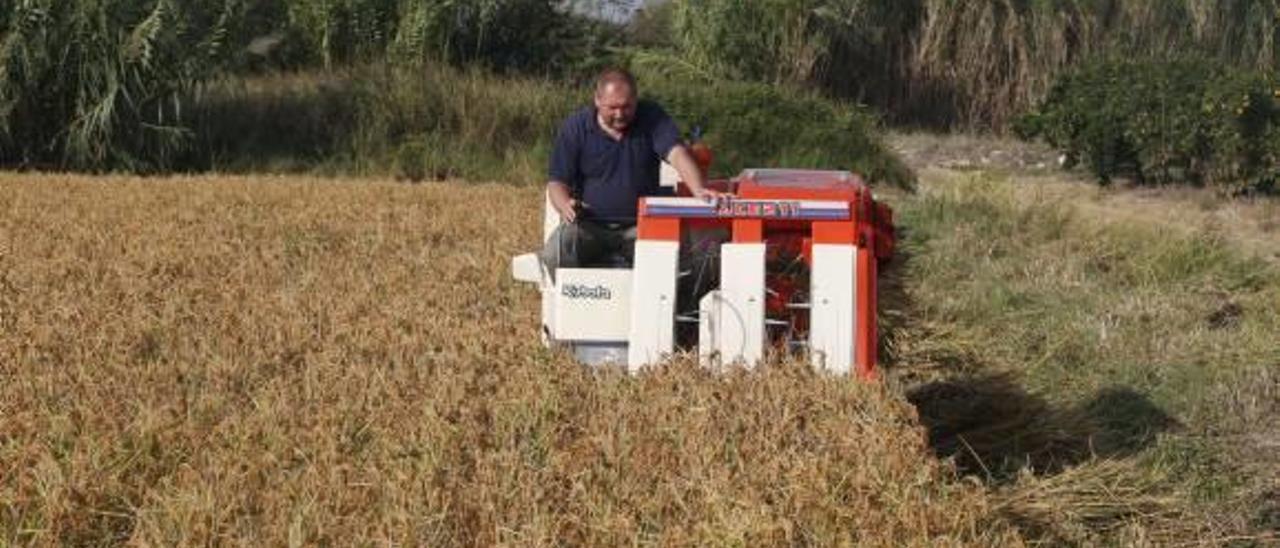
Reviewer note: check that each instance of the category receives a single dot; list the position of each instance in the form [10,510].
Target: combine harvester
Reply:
[788,264]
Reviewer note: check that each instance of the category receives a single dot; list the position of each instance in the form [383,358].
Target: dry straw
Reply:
[258,362]
[299,361]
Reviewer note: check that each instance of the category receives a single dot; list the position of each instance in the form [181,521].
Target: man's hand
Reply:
[708,194]
[566,205]
[568,210]
[691,175]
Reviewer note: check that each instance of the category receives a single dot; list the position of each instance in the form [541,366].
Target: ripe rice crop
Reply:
[255,361]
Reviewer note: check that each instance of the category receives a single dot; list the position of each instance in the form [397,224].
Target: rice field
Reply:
[262,361]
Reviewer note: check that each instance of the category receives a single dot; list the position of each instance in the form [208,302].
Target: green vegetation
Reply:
[1038,334]
[1160,122]
[435,122]
[368,86]
[959,63]
[98,83]
[102,85]
[130,85]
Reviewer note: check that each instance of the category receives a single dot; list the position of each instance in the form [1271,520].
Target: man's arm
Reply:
[690,173]
[563,171]
[667,145]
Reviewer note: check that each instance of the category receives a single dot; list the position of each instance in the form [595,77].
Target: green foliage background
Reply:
[437,122]
[972,64]
[145,85]
[96,82]
[99,84]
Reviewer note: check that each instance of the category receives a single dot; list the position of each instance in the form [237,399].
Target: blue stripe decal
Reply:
[754,210]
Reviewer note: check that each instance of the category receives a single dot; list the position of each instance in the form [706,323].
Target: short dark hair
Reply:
[615,75]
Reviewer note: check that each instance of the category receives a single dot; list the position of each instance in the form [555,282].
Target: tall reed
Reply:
[967,63]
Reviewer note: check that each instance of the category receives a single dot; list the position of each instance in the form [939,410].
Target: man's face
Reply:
[616,105]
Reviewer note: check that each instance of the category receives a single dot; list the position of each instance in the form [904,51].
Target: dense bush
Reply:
[109,85]
[758,125]
[1184,120]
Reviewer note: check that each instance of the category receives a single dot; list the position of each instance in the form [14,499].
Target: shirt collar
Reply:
[596,127]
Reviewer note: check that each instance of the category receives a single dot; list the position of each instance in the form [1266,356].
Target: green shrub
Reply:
[1188,120]
[757,125]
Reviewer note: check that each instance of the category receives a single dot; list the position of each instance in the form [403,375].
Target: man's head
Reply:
[616,98]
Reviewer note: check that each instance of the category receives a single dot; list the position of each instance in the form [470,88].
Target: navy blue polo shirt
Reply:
[608,175]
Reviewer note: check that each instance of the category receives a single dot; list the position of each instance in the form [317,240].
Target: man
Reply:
[607,156]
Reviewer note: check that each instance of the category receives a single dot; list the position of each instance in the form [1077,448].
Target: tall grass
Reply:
[431,121]
[99,83]
[1042,332]
[959,63]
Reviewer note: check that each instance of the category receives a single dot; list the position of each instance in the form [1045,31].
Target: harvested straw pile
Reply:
[252,362]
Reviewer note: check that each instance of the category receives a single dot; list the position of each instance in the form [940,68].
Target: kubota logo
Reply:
[579,291]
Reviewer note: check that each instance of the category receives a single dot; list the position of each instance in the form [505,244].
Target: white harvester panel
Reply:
[831,323]
[668,177]
[653,302]
[740,306]
[591,304]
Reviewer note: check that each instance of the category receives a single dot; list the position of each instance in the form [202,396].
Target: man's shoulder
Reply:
[650,109]
[652,118]
[580,119]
